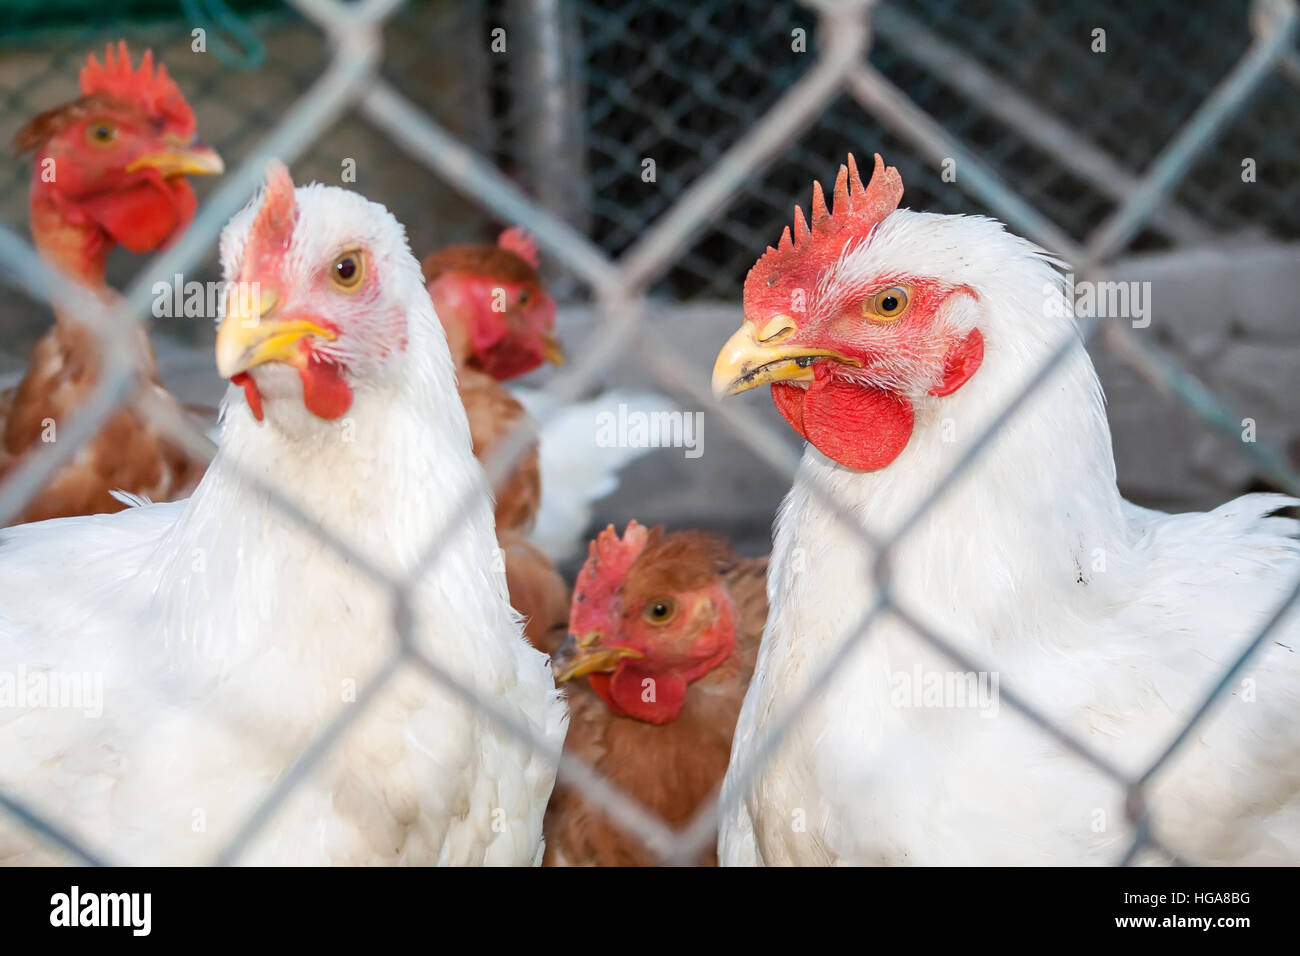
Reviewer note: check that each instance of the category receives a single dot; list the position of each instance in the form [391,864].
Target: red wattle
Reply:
[860,427]
[324,391]
[625,691]
[251,394]
[961,364]
[510,359]
[144,216]
[789,402]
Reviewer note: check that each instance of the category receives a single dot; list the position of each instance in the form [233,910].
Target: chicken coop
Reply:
[655,148]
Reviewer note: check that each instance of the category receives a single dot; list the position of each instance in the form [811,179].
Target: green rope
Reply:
[246,53]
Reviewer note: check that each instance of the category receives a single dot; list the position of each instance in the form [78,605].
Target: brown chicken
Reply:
[666,628]
[110,169]
[499,322]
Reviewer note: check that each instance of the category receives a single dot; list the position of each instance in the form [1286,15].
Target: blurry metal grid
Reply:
[724,181]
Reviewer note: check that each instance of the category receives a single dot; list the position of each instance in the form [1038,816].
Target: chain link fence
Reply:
[739,106]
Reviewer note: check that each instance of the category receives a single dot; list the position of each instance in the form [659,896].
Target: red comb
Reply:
[797,260]
[609,558]
[518,241]
[857,207]
[615,555]
[272,229]
[154,90]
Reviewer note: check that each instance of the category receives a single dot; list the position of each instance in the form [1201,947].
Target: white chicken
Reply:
[891,340]
[223,635]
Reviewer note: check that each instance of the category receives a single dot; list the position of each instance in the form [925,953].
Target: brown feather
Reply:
[492,412]
[681,561]
[127,454]
[479,260]
[42,128]
[672,768]
[537,591]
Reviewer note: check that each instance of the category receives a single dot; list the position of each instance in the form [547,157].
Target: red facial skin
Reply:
[697,636]
[491,301]
[91,202]
[856,423]
[325,391]
[653,688]
[859,413]
[504,344]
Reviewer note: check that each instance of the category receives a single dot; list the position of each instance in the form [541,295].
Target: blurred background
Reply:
[583,92]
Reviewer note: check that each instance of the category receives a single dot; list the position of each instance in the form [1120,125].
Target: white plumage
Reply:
[577,471]
[1112,619]
[227,635]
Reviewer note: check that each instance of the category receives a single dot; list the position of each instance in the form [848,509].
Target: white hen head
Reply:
[323,298]
[863,318]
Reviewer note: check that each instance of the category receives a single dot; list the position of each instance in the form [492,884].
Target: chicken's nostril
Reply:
[778,327]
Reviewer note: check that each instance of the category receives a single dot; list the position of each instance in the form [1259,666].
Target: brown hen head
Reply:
[117,158]
[650,614]
[491,301]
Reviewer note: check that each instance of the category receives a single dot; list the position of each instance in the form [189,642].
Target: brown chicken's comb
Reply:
[856,206]
[517,240]
[612,556]
[609,559]
[155,90]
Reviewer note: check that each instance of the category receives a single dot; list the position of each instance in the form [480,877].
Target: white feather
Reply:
[129,499]
[577,470]
[1113,620]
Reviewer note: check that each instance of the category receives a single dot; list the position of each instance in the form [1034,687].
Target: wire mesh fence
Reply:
[732,105]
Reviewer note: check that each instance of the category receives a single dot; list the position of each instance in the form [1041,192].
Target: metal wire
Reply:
[620,287]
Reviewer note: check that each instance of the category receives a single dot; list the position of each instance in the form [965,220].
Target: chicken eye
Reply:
[523,297]
[660,611]
[348,269]
[101,134]
[887,305]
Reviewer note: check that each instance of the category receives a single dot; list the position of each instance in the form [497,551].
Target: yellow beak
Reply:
[195,159]
[552,350]
[754,357]
[247,338]
[579,656]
